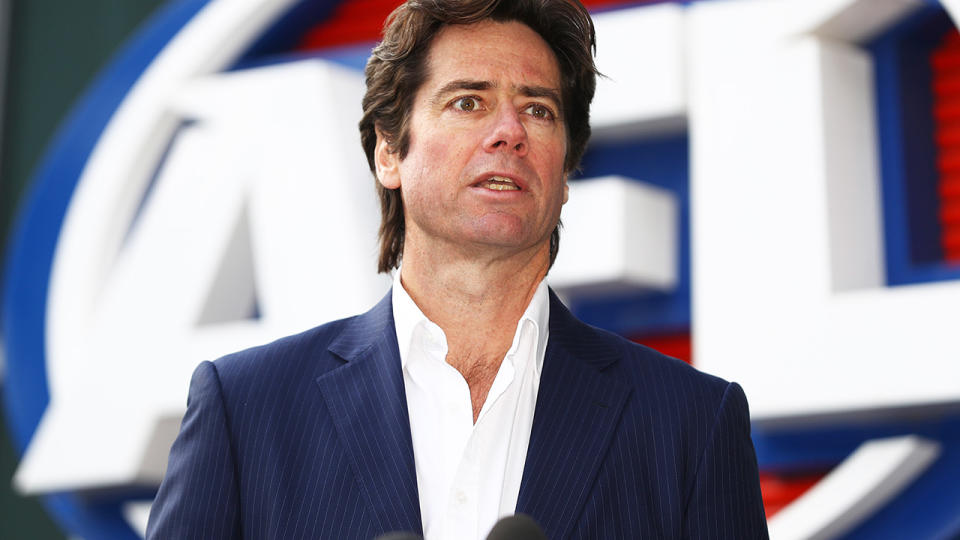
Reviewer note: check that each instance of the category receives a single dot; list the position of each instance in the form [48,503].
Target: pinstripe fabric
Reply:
[308,437]
[628,443]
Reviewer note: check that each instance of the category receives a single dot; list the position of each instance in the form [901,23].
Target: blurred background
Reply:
[52,51]
[771,193]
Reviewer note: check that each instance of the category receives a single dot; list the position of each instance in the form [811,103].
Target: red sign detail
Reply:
[945,64]
[779,490]
[676,345]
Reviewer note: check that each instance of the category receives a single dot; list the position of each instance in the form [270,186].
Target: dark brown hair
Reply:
[398,67]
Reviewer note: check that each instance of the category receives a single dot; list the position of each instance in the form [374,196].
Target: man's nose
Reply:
[508,132]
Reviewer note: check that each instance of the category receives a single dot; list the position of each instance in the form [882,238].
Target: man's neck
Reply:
[472,297]
[477,304]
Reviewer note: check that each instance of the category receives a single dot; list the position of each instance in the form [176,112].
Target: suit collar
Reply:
[364,331]
[578,408]
[368,404]
[584,342]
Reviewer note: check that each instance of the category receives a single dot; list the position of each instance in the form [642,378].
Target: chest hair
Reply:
[479,371]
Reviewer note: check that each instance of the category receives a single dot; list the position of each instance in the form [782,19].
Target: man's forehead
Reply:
[499,54]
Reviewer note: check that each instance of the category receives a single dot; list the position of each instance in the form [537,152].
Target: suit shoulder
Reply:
[641,366]
[282,356]
[685,401]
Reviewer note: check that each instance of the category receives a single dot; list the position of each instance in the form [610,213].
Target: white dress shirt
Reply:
[468,475]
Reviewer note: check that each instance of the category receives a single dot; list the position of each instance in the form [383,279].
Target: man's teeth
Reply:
[499,183]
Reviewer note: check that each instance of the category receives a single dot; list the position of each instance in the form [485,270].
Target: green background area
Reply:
[54,50]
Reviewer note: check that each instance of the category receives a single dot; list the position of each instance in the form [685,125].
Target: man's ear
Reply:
[566,189]
[387,163]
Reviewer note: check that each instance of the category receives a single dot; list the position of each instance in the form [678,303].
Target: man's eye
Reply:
[540,112]
[467,103]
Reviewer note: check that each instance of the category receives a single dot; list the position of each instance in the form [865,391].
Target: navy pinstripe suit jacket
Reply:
[308,437]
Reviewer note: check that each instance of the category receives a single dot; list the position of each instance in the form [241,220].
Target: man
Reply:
[469,392]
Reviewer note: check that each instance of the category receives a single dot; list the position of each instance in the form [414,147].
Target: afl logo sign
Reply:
[210,194]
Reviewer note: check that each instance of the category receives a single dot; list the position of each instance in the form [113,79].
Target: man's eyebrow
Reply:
[479,86]
[541,92]
[461,84]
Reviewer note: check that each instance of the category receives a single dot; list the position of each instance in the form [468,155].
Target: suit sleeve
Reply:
[726,501]
[198,497]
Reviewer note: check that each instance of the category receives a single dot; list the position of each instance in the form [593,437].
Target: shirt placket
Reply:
[463,503]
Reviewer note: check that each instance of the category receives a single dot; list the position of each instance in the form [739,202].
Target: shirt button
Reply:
[461,497]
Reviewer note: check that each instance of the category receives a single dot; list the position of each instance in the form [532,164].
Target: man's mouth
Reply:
[499,183]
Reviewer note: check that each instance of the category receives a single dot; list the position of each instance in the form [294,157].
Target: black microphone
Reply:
[517,527]
[399,535]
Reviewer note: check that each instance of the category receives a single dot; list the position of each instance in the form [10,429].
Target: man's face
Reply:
[484,169]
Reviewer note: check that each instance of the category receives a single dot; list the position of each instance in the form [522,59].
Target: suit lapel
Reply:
[367,401]
[576,415]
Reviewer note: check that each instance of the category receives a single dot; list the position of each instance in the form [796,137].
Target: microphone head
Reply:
[517,527]
[399,535]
